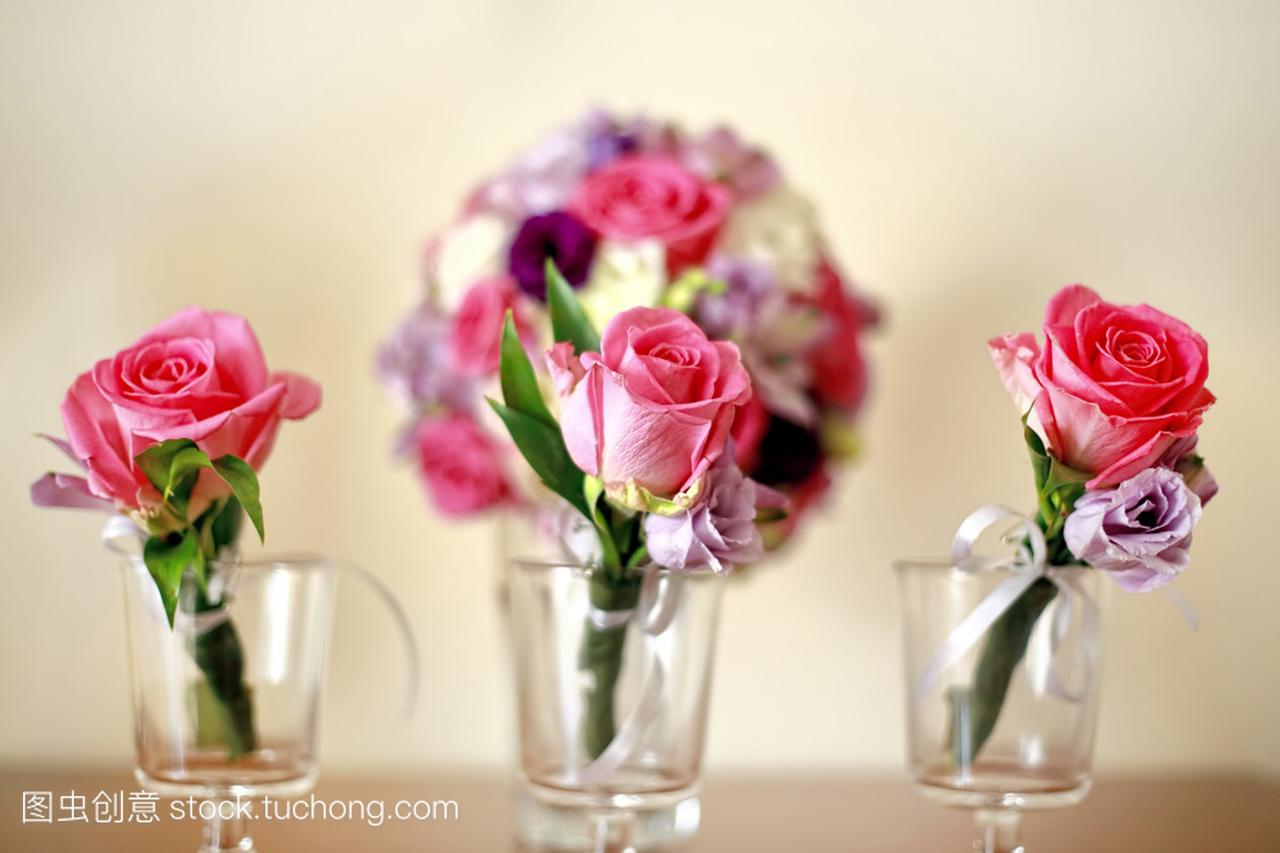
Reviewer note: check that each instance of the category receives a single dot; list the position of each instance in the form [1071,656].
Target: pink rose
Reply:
[1114,387]
[461,465]
[475,340]
[634,198]
[653,408]
[199,375]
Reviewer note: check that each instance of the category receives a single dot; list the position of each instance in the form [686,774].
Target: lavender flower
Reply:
[541,180]
[718,533]
[735,313]
[754,312]
[558,235]
[414,363]
[609,137]
[1139,531]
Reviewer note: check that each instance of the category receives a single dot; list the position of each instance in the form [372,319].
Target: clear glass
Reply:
[648,801]
[276,616]
[1040,752]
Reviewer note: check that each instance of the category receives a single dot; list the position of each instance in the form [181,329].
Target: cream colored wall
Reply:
[283,160]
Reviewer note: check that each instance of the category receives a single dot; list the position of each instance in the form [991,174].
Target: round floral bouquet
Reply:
[636,213]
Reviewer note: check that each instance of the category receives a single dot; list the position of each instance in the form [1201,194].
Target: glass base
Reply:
[987,786]
[555,819]
[231,784]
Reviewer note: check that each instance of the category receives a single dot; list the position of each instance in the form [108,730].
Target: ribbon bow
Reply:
[1026,567]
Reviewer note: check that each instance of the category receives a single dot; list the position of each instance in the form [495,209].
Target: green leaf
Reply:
[166,559]
[155,460]
[592,491]
[1058,487]
[568,321]
[224,529]
[173,466]
[682,293]
[543,448]
[1051,474]
[239,475]
[1040,459]
[520,389]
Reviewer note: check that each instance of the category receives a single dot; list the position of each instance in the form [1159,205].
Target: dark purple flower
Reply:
[789,454]
[557,235]
[1139,531]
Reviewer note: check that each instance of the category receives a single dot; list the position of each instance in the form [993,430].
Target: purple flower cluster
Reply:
[718,533]
[1139,531]
[415,363]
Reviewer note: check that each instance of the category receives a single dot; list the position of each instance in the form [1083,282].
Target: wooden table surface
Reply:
[744,812]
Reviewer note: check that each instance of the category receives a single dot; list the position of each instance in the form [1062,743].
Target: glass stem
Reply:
[997,831]
[228,828]
[611,832]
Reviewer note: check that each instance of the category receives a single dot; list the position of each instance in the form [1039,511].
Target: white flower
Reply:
[780,230]
[623,275]
[471,250]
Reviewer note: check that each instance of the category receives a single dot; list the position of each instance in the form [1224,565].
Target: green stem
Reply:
[220,657]
[601,655]
[976,709]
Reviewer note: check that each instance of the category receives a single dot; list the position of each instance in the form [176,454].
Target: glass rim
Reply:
[547,564]
[285,561]
[982,565]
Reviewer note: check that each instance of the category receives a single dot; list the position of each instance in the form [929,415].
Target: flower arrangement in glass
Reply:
[641,452]
[634,213]
[1111,407]
[170,434]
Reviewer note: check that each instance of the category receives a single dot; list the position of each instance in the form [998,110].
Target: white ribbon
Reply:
[654,611]
[122,535]
[1026,567]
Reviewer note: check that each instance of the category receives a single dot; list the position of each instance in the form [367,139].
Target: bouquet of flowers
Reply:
[641,452]
[170,434]
[635,213]
[1111,405]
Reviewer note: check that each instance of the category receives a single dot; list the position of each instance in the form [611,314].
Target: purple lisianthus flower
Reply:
[414,363]
[609,138]
[718,533]
[558,235]
[735,313]
[1139,531]
[542,179]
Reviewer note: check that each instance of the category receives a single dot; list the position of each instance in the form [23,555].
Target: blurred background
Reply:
[285,160]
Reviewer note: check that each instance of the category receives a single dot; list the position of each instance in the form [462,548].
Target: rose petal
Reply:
[63,490]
